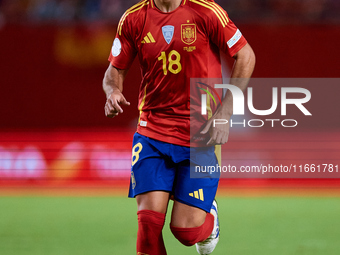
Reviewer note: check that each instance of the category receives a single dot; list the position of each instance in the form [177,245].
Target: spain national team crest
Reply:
[188,33]
[133,180]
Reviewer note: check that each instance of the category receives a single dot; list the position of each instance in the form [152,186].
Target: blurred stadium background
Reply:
[64,166]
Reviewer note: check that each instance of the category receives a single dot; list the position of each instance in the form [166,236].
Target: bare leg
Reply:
[185,216]
[155,201]
[189,224]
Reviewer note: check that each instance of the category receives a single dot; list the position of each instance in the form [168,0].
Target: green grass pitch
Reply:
[107,225]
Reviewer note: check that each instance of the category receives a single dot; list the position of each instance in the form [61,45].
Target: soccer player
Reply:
[175,40]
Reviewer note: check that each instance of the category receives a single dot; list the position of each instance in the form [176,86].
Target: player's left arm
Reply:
[242,71]
[229,39]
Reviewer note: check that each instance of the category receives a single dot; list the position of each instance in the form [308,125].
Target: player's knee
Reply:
[182,235]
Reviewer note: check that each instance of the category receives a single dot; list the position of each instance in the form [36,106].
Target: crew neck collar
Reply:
[153,6]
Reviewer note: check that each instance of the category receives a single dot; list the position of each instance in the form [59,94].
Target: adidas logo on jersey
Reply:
[148,38]
[197,194]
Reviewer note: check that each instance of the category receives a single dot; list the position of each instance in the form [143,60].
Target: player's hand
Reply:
[218,134]
[113,104]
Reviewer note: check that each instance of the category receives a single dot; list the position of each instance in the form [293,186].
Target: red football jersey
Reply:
[172,48]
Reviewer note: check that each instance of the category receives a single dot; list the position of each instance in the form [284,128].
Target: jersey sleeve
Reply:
[123,49]
[224,33]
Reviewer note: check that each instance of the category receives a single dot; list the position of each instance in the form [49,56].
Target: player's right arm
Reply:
[113,88]
[121,57]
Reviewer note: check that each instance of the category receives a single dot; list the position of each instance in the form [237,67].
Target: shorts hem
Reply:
[193,205]
[146,191]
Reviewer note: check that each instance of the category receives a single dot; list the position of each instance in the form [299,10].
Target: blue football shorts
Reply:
[161,166]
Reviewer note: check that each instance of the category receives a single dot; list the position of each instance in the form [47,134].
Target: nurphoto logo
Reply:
[239,105]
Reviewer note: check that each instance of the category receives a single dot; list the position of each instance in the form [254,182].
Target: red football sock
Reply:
[190,236]
[149,235]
